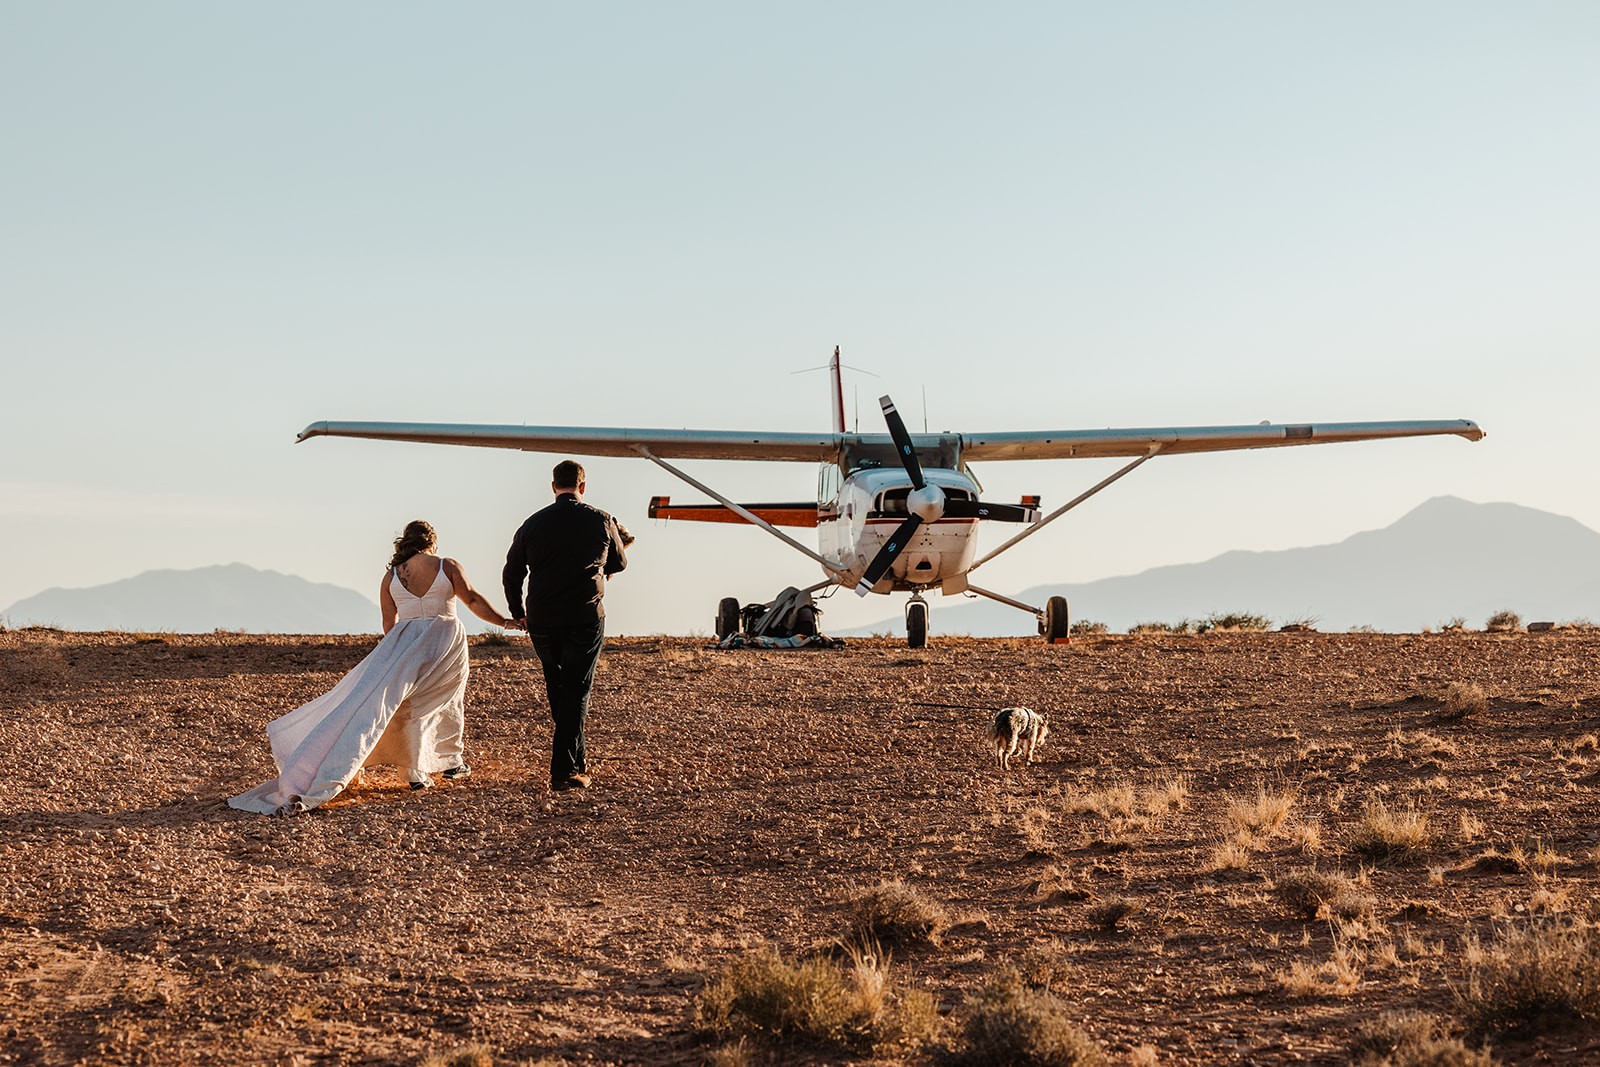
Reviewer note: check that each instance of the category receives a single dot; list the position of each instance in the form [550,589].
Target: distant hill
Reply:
[227,597]
[1446,558]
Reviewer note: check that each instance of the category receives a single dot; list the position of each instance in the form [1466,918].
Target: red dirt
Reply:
[740,797]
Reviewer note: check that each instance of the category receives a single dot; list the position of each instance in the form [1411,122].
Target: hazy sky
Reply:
[223,221]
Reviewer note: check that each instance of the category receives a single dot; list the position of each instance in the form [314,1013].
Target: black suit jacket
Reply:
[564,553]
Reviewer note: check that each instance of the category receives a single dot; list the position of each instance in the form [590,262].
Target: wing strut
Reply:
[1155,449]
[744,513]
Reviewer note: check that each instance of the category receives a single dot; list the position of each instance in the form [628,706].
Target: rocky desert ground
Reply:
[1234,848]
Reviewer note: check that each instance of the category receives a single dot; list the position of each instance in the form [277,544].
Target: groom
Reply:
[565,552]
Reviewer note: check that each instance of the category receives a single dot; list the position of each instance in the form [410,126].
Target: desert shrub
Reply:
[1503,620]
[734,1055]
[1044,967]
[893,914]
[474,1055]
[1112,910]
[1233,620]
[1314,894]
[1461,699]
[815,1001]
[1089,627]
[1532,978]
[1411,1039]
[1454,624]
[1011,1025]
[1388,836]
[1182,626]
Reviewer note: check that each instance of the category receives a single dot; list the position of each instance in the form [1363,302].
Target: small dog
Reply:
[1011,728]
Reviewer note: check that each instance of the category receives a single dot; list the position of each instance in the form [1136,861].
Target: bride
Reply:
[402,706]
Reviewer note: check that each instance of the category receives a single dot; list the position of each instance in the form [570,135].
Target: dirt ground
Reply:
[740,799]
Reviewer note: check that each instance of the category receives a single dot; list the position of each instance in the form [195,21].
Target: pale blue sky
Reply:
[220,222]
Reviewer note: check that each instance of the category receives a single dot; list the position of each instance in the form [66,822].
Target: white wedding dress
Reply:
[403,706]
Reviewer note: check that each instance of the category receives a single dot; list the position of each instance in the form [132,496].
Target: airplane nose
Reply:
[926,503]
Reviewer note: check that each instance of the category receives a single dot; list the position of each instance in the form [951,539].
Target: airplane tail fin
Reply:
[838,391]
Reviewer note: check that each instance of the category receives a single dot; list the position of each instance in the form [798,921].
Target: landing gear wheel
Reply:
[1055,626]
[727,617]
[916,624]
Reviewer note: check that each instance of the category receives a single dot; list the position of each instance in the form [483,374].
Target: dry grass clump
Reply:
[816,1001]
[1056,885]
[1532,978]
[893,914]
[1389,836]
[1503,620]
[1265,813]
[474,1055]
[1166,795]
[1088,627]
[1233,621]
[1339,975]
[1412,1039]
[1116,801]
[1045,967]
[1231,854]
[1010,1025]
[1314,894]
[1461,699]
[1112,910]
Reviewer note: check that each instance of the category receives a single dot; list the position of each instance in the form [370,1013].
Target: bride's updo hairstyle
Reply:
[417,537]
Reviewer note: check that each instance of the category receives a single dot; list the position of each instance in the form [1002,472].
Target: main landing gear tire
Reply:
[727,617]
[916,624]
[1055,626]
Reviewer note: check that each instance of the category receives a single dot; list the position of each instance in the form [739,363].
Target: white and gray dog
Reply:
[1012,728]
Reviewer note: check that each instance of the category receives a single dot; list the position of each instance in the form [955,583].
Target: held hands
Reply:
[515,624]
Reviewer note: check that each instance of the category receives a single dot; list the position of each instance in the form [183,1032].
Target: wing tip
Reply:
[316,429]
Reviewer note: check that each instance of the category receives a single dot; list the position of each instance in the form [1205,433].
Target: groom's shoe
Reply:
[458,772]
[576,781]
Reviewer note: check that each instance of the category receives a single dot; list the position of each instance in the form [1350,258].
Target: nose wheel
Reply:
[916,621]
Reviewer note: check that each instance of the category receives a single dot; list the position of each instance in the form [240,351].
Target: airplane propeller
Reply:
[926,502]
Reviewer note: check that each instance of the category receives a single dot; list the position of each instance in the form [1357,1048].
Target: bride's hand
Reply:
[516,624]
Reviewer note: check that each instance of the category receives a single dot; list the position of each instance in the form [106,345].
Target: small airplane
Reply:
[895,511]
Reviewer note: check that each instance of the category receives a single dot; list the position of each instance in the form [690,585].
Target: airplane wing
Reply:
[1093,444]
[815,448]
[596,440]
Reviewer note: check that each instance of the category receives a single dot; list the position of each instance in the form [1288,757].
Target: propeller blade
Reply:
[886,555]
[977,509]
[902,442]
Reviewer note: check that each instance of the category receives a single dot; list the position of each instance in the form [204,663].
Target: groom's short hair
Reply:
[567,475]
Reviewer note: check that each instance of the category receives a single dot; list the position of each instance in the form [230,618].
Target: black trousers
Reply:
[569,655]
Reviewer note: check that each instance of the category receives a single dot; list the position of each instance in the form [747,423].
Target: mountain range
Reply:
[1446,559]
[231,596]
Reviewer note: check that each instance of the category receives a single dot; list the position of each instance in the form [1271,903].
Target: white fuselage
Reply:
[858,513]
